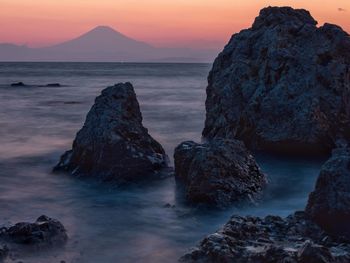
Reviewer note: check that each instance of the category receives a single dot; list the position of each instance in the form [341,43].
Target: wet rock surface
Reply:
[329,203]
[282,85]
[113,145]
[218,173]
[270,239]
[44,233]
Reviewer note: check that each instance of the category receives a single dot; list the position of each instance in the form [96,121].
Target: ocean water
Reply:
[106,224]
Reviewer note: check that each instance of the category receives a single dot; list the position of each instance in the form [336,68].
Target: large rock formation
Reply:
[113,144]
[282,85]
[270,239]
[218,173]
[329,203]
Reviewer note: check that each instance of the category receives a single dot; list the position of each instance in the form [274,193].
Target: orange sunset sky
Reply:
[173,23]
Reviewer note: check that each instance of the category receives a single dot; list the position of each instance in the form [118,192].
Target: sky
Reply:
[171,23]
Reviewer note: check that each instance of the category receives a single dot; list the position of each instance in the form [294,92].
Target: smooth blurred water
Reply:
[105,224]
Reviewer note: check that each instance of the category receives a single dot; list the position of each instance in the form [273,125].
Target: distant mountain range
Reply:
[106,45]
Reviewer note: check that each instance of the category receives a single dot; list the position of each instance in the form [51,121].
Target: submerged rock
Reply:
[218,173]
[270,239]
[44,232]
[53,85]
[113,144]
[282,85]
[329,203]
[18,84]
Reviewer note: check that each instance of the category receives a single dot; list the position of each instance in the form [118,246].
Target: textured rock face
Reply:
[24,237]
[282,85]
[329,203]
[270,239]
[44,232]
[218,173]
[113,144]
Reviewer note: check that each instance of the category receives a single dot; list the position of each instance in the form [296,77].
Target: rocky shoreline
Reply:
[320,234]
[281,86]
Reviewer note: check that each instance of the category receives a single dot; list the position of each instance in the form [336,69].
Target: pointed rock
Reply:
[113,144]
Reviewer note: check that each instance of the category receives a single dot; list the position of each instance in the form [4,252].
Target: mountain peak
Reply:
[103,29]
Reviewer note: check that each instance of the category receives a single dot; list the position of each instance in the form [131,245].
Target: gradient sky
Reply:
[191,23]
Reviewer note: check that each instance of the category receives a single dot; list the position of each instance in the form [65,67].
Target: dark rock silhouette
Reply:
[329,203]
[218,173]
[282,85]
[44,232]
[18,84]
[270,239]
[53,85]
[113,144]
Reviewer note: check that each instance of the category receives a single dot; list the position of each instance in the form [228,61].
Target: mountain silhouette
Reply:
[103,43]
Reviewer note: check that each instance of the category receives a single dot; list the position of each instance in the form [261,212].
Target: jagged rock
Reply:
[311,253]
[282,85]
[113,144]
[329,203]
[270,239]
[217,173]
[44,232]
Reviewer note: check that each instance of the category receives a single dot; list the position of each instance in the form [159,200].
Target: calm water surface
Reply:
[105,224]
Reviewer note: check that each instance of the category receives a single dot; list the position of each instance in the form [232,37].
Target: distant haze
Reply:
[104,44]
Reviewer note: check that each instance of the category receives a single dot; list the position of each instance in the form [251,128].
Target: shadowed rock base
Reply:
[329,203]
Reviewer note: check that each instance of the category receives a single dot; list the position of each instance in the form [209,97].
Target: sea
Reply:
[142,223]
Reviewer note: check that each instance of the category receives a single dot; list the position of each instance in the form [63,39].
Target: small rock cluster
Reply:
[44,233]
[320,234]
[270,239]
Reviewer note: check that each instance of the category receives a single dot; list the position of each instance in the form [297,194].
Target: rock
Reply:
[329,203]
[218,173]
[53,85]
[282,85]
[311,253]
[270,239]
[4,251]
[113,144]
[18,84]
[44,232]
